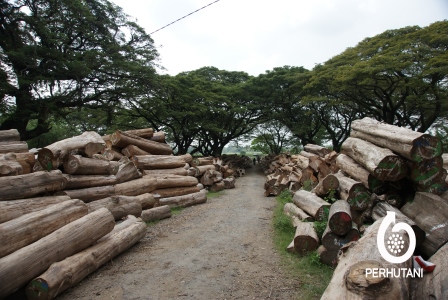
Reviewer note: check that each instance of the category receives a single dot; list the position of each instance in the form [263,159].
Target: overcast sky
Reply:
[258,35]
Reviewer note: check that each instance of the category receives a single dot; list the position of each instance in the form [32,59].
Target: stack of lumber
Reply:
[15,158]
[213,173]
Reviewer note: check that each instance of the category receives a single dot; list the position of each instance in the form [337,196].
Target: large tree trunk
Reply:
[136,187]
[350,280]
[430,213]
[328,257]
[169,181]
[76,164]
[305,238]
[200,170]
[89,194]
[316,149]
[380,162]
[23,265]
[334,242]
[311,204]
[127,171]
[161,172]
[24,230]
[132,150]
[415,146]
[29,185]
[152,162]
[9,166]
[354,192]
[88,181]
[325,185]
[26,160]
[176,191]
[156,213]
[146,133]
[70,271]
[185,200]
[122,139]
[292,209]
[340,218]
[9,135]
[52,156]
[15,147]
[119,206]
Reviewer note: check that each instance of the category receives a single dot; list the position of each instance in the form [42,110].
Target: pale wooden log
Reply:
[354,192]
[120,225]
[152,162]
[29,185]
[146,133]
[135,187]
[37,167]
[176,191]
[76,164]
[88,181]
[23,265]
[132,150]
[328,257]
[359,173]
[413,145]
[89,194]
[305,238]
[26,229]
[9,135]
[433,285]
[310,156]
[122,139]
[187,158]
[9,166]
[217,186]
[316,149]
[292,209]
[380,162]
[229,182]
[311,204]
[156,213]
[334,242]
[174,171]
[430,213]
[185,200]
[168,181]
[16,208]
[380,210]
[111,154]
[67,273]
[308,175]
[119,206]
[15,147]
[52,156]
[26,160]
[340,218]
[205,161]
[210,177]
[200,170]
[301,161]
[159,136]
[146,200]
[445,160]
[325,185]
[350,281]
[127,171]
[290,247]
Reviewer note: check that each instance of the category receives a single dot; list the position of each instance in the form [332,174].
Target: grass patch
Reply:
[312,275]
[214,194]
[176,210]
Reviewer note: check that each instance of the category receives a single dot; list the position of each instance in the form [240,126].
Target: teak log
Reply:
[217,186]
[9,166]
[200,170]
[334,242]
[311,204]
[70,271]
[185,200]
[328,257]
[174,181]
[161,172]
[9,135]
[152,162]
[158,136]
[380,162]
[350,280]
[176,191]
[156,213]
[340,218]
[229,182]
[316,149]
[132,150]
[15,147]
[52,156]
[430,213]
[427,172]
[354,192]
[127,171]
[122,139]
[380,210]
[24,230]
[445,160]
[76,164]
[111,154]
[15,208]
[301,161]
[292,209]
[305,238]
[27,160]
[413,145]
[146,133]
[88,181]
[23,265]
[309,155]
[359,173]
[147,200]
[326,184]
[137,186]
[119,206]
[29,185]
[89,194]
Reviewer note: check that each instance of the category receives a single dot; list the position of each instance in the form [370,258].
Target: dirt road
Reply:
[218,250]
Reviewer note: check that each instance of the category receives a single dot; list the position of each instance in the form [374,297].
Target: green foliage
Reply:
[320,226]
[308,185]
[331,197]
[176,210]
[214,194]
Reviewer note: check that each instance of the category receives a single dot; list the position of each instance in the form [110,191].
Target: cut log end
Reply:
[426,147]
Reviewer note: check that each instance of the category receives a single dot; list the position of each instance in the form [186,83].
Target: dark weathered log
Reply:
[9,135]
[340,218]
[427,172]
[152,162]
[328,257]
[161,172]
[23,265]
[122,139]
[311,204]
[430,213]
[156,213]
[305,238]
[350,279]
[229,182]
[158,136]
[316,149]
[413,145]
[26,229]
[132,150]
[325,185]
[176,191]
[354,192]
[29,185]
[380,210]
[15,147]
[217,186]
[334,242]
[9,166]
[70,271]
[119,206]
[76,164]
[292,209]
[380,162]
[320,167]
[185,200]
[52,156]
[359,173]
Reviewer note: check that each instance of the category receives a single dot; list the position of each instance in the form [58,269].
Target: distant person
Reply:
[258,159]
[254,160]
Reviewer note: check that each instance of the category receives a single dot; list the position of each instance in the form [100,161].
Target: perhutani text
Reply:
[394,272]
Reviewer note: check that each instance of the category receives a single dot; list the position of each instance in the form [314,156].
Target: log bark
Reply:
[9,135]
[200,170]
[334,242]
[159,136]
[147,200]
[292,209]
[146,133]
[305,238]
[359,173]
[301,161]
[26,160]
[310,156]
[146,184]
[430,213]
[111,154]
[217,186]
[23,265]
[29,185]
[445,160]
[413,145]
[174,181]
[52,156]
[122,139]
[161,172]
[316,149]
[380,210]
[176,191]
[350,281]
[15,147]
[229,182]
[185,200]
[210,177]
[156,213]
[9,166]
[340,218]
[132,150]
[328,257]
[380,162]
[327,184]
[311,204]
[26,229]
[89,194]
[88,181]
[354,192]
[76,165]
[67,273]
[127,171]
[119,206]
[152,162]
